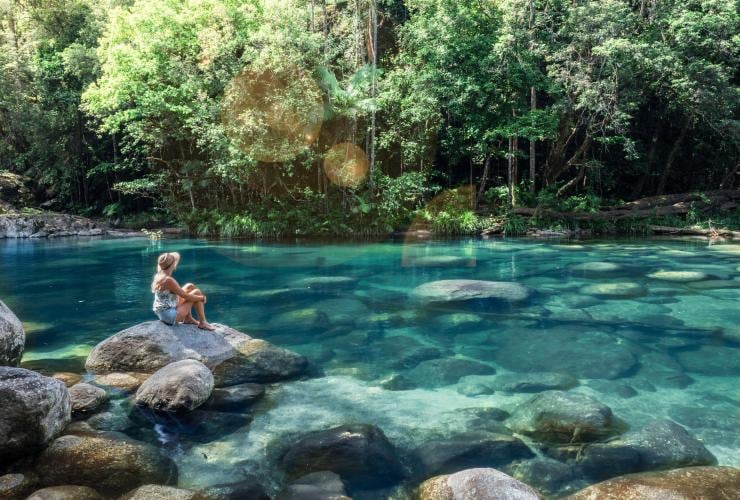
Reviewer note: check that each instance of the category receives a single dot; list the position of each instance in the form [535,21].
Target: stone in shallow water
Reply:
[563,417]
[298,321]
[12,337]
[584,354]
[247,489]
[464,290]
[547,475]
[180,386]
[398,383]
[326,283]
[715,284]
[679,276]
[359,453]
[86,398]
[533,382]
[159,492]
[65,493]
[323,485]
[437,261]
[458,321]
[342,311]
[109,462]
[478,484]
[691,483]
[612,388]
[127,382]
[470,450]
[68,378]
[597,267]
[663,370]
[711,360]
[35,409]
[475,385]
[17,485]
[446,371]
[235,398]
[621,290]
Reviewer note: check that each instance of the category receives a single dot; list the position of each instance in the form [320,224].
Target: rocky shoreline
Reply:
[65,438]
[55,225]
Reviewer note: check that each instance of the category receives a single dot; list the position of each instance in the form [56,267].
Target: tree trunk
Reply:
[484,179]
[672,157]
[533,106]
[373,88]
[509,173]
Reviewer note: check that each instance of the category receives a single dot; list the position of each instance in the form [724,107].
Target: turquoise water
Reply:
[648,345]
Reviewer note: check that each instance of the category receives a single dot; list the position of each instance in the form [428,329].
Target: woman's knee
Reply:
[189,287]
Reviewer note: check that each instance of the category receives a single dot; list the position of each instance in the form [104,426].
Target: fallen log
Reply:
[690,231]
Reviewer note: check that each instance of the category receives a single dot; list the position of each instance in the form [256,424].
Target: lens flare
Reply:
[346,165]
[272,116]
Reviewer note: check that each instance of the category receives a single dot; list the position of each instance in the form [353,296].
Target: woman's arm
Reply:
[172,285]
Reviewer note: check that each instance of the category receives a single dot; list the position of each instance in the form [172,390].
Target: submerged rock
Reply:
[620,290]
[66,492]
[691,483]
[478,484]
[127,382]
[298,321]
[68,378]
[710,360]
[323,485]
[562,417]
[597,267]
[679,276]
[359,453]
[235,398]
[180,386]
[588,354]
[533,382]
[446,371]
[17,485]
[109,462]
[33,410]
[86,398]
[464,290]
[472,450]
[232,356]
[159,492]
[547,475]
[12,337]
[248,488]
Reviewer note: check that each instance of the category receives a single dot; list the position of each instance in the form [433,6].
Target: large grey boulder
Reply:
[232,356]
[12,337]
[180,386]
[478,484]
[562,417]
[690,483]
[110,462]
[464,290]
[359,453]
[33,410]
[86,398]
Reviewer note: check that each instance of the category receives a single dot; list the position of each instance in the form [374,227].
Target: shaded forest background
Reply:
[270,117]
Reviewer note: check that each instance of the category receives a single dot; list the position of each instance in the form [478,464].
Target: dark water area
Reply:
[650,328]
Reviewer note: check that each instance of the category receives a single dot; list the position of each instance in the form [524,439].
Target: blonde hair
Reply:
[165,262]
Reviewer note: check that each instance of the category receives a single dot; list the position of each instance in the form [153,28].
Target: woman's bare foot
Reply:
[206,326]
[190,321]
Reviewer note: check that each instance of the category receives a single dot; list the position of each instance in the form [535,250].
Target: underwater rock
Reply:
[455,322]
[110,421]
[33,410]
[462,290]
[235,398]
[298,321]
[322,485]
[12,337]
[446,371]
[710,360]
[596,267]
[66,492]
[612,388]
[663,370]
[342,311]
[620,290]
[475,385]
[232,356]
[159,492]
[247,489]
[467,451]
[17,485]
[359,453]
[583,354]
[533,382]
[180,386]
[397,383]
[86,398]
[690,483]
[127,382]
[678,276]
[562,417]
[412,357]
[325,283]
[478,484]
[437,261]
[68,378]
[547,475]
[111,462]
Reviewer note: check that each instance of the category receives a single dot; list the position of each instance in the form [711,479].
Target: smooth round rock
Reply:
[597,267]
[86,398]
[67,492]
[533,382]
[127,382]
[235,398]
[323,485]
[562,417]
[445,371]
[109,462]
[247,488]
[159,492]
[232,356]
[359,453]
[463,290]
[475,484]
[33,410]
[690,483]
[68,378]
[17,485]
[12,337]
[678,276]
[178,387]
[711,360]
[615,290]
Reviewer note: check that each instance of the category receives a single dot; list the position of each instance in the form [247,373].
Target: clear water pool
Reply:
[649,327]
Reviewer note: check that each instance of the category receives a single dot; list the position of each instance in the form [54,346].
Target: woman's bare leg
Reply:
[189,287]
[199,307]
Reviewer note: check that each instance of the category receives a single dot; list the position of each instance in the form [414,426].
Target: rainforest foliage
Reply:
[249,117]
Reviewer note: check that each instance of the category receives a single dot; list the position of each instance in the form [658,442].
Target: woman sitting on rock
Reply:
[173,304]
